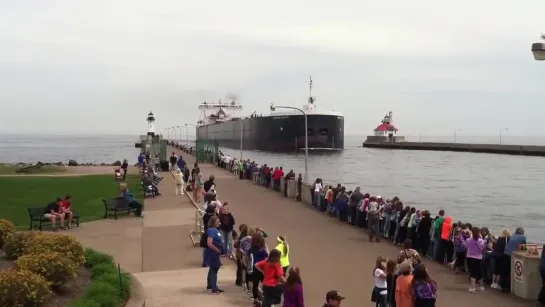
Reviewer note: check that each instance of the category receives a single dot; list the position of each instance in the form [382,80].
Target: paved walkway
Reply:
[331,254]
[158,251]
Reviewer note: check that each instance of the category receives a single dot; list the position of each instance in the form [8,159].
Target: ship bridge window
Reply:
[323,132]
[310,132]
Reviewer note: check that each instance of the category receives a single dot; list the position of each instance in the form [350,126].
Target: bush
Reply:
[103,293]
[65,245]
[94,257]
[108,288]
[53,266]
[103,268]
[123,286]
[16,242]
[23,288]
[84,303]
[6,229]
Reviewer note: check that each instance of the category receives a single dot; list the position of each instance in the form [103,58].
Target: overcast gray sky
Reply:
[99,66]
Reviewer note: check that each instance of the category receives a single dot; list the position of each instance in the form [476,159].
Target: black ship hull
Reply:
[283,133]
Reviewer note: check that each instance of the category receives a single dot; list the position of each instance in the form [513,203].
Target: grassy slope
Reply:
[87,192]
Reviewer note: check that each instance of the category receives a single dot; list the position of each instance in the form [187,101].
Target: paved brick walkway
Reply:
[331,254]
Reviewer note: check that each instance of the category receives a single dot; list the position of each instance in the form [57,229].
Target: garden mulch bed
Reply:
[71,290]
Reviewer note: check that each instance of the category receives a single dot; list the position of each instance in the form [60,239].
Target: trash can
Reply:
[525,276]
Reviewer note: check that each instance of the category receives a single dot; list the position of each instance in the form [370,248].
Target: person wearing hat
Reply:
[284,250]
[333,299]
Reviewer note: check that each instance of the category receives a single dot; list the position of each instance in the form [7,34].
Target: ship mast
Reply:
[310,98]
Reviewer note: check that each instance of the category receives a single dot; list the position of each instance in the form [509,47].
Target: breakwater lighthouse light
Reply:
[151,124]
[538,49]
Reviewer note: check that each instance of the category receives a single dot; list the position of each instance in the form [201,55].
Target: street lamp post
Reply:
[501,130]
[241,138]
[273,107]
[455,131]
[175,133]
[187,137]
[168,134]
[180,127]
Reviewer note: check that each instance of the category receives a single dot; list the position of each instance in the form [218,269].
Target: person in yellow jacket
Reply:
[284,249]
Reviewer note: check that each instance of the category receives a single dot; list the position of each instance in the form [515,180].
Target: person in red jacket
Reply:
[277,175]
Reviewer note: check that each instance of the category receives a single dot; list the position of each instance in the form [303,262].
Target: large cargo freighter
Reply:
[283,130]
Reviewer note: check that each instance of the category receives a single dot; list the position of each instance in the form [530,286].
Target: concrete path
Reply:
[158,251]
[331,254]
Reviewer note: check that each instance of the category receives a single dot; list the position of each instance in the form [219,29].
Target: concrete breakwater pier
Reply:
[331,254]
[522,150]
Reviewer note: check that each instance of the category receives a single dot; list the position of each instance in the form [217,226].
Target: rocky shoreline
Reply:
[71,162]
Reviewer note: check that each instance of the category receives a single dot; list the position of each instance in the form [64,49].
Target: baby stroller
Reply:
[148,191]
[117,174]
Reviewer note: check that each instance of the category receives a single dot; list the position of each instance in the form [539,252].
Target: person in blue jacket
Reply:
[212,254]
[131,200]
[141,158]
[181,164]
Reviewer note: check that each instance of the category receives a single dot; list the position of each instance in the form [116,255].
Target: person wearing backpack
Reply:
[210,212]
[256,253]
[273,278]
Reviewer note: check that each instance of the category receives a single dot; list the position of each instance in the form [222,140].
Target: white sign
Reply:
[518,270]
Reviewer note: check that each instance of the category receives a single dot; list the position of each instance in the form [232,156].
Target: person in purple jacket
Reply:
[474,258]
[293,291]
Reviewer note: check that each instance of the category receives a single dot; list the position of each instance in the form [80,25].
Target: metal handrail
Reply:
[199,224]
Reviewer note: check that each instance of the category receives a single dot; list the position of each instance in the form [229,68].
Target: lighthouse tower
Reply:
[151,124]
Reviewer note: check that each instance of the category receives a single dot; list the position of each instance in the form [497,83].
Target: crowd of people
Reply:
[404,281]
[264,274]
[465,248]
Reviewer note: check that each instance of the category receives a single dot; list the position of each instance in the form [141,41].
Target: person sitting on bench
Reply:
[131,200]
[52,211]
[66,210]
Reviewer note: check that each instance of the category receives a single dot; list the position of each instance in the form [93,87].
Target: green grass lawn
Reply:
[34,191]
[9,169]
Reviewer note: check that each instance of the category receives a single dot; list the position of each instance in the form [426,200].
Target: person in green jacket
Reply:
[437,228]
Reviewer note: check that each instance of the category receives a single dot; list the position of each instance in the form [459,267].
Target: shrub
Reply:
[103,293]
[15,243]
[22,288]
[123,286]
[53,266]
[94,257]
[108,288]
[66,245]
[6,229]
[84,303]
[103,268]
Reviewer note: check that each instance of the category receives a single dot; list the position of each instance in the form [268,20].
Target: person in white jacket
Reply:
[179,179]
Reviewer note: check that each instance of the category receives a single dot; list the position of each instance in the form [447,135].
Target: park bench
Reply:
[37,218]
[113,206]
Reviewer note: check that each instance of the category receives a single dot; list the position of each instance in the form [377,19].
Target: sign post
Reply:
[518,271]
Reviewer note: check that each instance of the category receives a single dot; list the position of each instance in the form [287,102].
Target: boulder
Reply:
[117,163]
[59,164]
[103,164]
[72,162]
